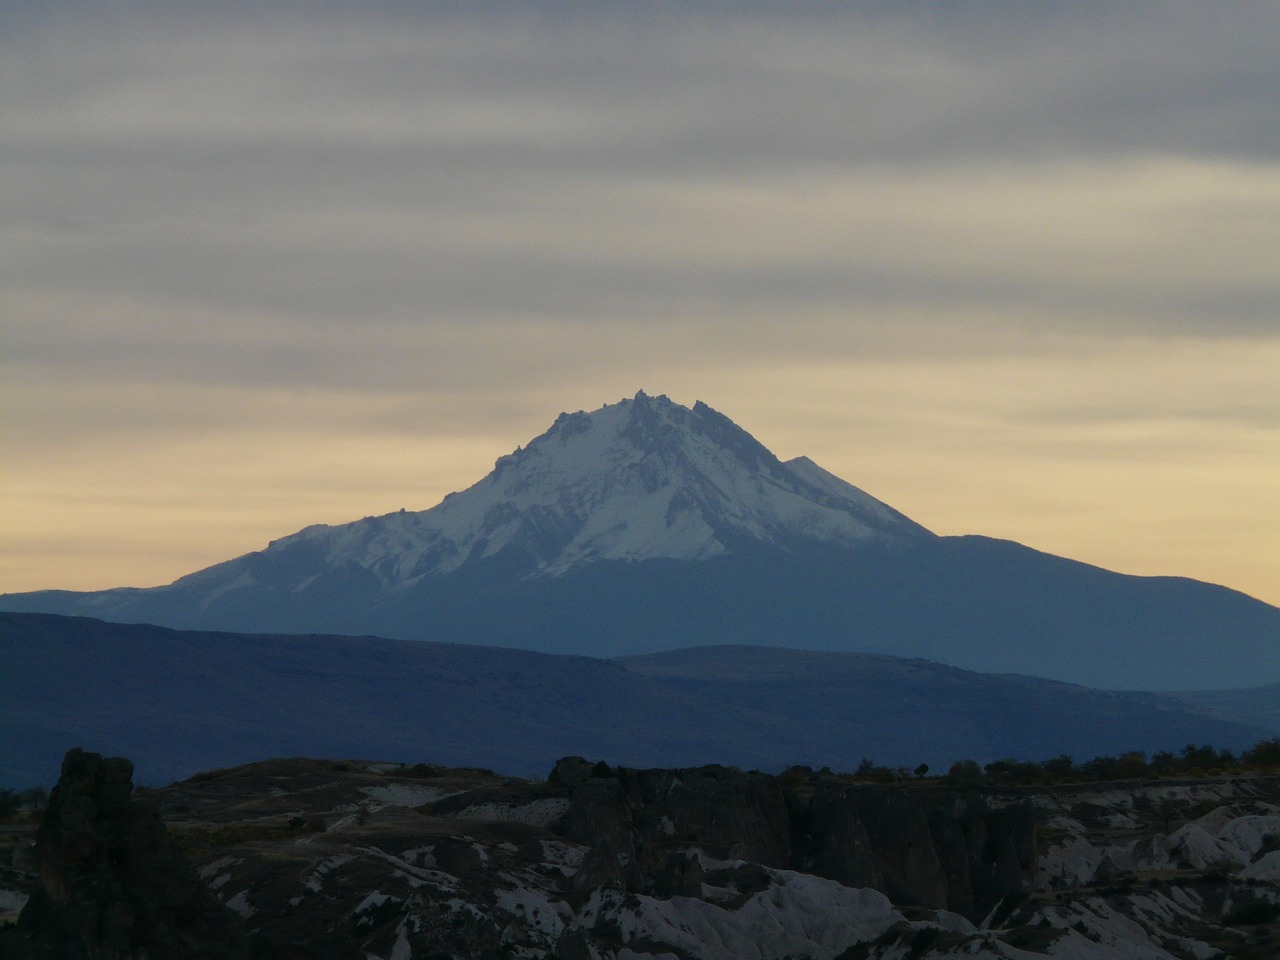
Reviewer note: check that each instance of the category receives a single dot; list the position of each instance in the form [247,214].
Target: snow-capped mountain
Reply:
[640,479]
[646,525]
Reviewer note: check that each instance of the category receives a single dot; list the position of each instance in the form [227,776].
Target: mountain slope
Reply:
[647,526]
[1255,706]
[641,479]
[182,701]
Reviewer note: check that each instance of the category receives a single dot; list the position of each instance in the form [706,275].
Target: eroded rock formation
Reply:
[938,848]
[112,883]
[380,861]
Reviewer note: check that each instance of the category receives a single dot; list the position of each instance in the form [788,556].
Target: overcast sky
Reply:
[1012,268]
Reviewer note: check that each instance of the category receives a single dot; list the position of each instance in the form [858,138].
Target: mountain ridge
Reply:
[645,525]
[187,700]
[644,478]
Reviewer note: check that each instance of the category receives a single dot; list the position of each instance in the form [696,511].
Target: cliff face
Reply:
[934,848]
[338,861]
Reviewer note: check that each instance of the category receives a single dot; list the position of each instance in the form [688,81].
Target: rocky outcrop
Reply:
[641,825]
[377,861]
[831,840]
[930,848]
[112,884]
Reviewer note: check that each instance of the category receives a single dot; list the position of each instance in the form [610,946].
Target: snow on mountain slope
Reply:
[730,546]
[640,479]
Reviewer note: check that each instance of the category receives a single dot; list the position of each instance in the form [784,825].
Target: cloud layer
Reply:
[1010,267]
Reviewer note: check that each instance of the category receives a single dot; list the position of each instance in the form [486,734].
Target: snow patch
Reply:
[240,904]
[567,857]
[374,899]
[404,794]
[314,879]
[539,813]
[641,479]
[541,916]
[796,915]
[12,902]
[1244,835]
[1192,845]
[214,866]
[1268,869]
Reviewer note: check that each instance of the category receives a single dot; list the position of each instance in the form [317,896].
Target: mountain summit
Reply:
[646,525]
[641,479]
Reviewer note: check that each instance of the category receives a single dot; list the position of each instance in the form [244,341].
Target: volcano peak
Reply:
[639,479]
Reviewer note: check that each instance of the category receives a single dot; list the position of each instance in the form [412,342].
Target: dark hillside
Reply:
[182,701]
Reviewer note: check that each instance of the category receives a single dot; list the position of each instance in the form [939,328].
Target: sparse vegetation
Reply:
[196,840]
[869,770]
[1253,912]
[13,802]
[1264,754]
[967,774]
[1191,761]
[422,771]
[601,770]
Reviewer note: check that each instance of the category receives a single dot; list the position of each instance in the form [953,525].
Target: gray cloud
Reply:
[371,163]
[644,90]
[286,217]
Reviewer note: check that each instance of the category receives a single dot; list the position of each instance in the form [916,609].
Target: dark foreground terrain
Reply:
[323,859]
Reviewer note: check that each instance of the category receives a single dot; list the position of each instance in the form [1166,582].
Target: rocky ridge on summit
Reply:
[642,479]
